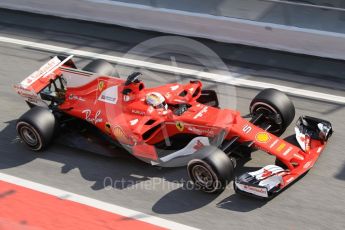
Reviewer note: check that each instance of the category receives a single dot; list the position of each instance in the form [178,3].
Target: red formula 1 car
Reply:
[170,125]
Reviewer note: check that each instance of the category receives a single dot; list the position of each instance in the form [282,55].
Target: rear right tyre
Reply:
[101,67]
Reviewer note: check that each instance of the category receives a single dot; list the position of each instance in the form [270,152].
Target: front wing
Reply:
[312,134]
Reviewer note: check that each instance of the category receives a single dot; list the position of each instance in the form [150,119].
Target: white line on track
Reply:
[94,203]
[178,70]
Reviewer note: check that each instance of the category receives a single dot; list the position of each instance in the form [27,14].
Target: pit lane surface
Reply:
[314,202]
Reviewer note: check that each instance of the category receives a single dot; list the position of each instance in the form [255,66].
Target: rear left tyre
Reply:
[36,128]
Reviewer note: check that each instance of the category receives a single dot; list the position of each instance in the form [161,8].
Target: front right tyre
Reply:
[276,107]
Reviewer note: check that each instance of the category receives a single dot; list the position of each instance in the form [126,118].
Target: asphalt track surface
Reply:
[314,202]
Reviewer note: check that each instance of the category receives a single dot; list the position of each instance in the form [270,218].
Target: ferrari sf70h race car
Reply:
[170,125]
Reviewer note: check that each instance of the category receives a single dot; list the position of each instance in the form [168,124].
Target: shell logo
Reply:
[262,137]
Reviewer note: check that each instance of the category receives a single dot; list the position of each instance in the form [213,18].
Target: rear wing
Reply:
[31,86]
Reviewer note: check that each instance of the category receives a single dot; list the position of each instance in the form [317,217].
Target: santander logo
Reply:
[259,190]
[266,173]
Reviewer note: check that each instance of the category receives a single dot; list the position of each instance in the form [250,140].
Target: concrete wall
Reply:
[219,28]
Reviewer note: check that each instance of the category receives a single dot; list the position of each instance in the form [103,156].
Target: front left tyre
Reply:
[212,173]
[36,128]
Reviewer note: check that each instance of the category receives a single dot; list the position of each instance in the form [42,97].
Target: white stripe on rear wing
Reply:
[44,71]
[29,89]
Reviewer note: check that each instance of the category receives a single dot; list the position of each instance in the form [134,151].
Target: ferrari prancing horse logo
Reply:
[100,85]
[180,126]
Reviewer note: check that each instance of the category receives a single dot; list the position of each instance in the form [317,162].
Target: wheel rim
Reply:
[29,136]
[268,111]
[203,176]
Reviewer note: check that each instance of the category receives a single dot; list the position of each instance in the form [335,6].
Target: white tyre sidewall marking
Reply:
[203,163]
[33,129]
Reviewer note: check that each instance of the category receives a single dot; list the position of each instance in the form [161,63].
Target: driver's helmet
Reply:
[156,100]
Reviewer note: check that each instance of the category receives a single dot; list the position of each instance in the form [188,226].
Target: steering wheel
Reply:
[132,78]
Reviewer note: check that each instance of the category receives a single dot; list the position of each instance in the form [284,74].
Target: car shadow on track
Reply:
[119,172]
[187,199]
[237,202]
[122,172]
[182,200]
[240,203]
[10,148]
[341,174]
